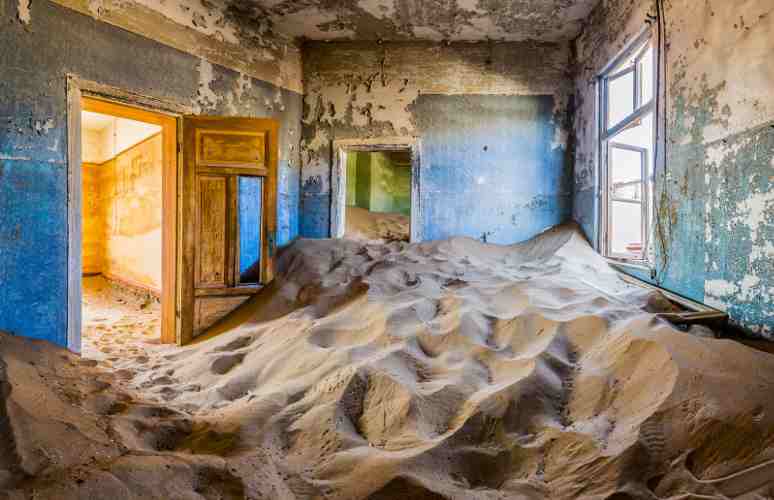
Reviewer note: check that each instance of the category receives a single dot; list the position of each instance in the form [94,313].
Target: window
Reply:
[249,217]
[627,123]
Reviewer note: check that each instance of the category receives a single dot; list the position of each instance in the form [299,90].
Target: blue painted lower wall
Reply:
[33,257]
[489,169]
[34,62]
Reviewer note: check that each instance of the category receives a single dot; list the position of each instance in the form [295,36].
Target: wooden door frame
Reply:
[193,125]
[339,179]
[83,95]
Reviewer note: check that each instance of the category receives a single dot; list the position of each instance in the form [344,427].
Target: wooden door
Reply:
[229,216]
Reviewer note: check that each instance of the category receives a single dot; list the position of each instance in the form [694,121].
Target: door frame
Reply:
[339,179]
[193,169]
[92,96]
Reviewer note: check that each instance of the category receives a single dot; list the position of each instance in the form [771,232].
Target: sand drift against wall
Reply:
[374,227]
[450,369]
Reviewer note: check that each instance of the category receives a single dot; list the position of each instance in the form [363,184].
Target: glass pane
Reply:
[626,228]
[249,222]
[627,191]
[625,166]
[646,76]
[620,98]
[639,134]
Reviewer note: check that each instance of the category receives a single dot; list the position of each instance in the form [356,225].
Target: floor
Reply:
[120,326]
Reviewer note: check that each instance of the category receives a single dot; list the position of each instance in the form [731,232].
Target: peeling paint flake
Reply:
[206,97]
[195,14]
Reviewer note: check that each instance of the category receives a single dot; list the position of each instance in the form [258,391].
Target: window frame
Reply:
[636,50]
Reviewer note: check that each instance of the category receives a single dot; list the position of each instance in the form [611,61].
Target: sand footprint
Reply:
[236,344]
[225,364]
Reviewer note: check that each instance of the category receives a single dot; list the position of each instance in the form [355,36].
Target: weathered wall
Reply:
[233,34]
[93,227]
[131,193]
[491,118]
[122,216]
[37,50]
[715,191]
[411,20]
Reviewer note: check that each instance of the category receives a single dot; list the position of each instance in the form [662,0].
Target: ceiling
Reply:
[95,121]
[436,20]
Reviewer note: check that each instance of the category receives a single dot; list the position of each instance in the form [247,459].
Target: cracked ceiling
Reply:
[399,20]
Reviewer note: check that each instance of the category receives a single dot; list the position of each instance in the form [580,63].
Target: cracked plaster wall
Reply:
[715,189]
[434,20]
[38,48]
[492,120]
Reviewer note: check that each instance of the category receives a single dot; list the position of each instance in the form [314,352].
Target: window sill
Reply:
[640,265]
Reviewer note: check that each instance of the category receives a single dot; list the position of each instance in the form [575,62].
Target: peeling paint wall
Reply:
[233,35]
[436,20]
[492,120]
[715,189]
[35,57]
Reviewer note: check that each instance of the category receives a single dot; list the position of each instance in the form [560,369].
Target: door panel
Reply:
[229,212]
[221,148]
[211,232]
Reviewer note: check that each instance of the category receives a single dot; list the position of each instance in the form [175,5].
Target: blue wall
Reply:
[714,184]
[492,121]
[488,167]
[34,62]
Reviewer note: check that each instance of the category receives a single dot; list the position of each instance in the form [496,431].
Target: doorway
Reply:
[123,223]
[375,193]
[218,213]
[229,207]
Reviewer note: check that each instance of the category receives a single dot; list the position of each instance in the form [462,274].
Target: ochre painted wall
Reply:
[132,207]
[93,220]
[122,216]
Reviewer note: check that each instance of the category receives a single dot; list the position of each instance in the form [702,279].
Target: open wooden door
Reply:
[229,216]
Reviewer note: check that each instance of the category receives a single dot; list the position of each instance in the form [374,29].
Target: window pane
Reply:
[646,78]
[626,228]
[627,191]
[249,222]
[620,98]
[625,165]
[639,134]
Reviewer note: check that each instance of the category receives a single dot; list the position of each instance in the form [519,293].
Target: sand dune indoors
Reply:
[375,227]
[449,369]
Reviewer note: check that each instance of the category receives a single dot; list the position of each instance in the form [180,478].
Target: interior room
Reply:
[378,196]
[121,242]
[380,249]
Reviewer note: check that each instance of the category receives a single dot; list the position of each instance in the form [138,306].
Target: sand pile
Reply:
[376,227]
[450,369]
[119,324]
